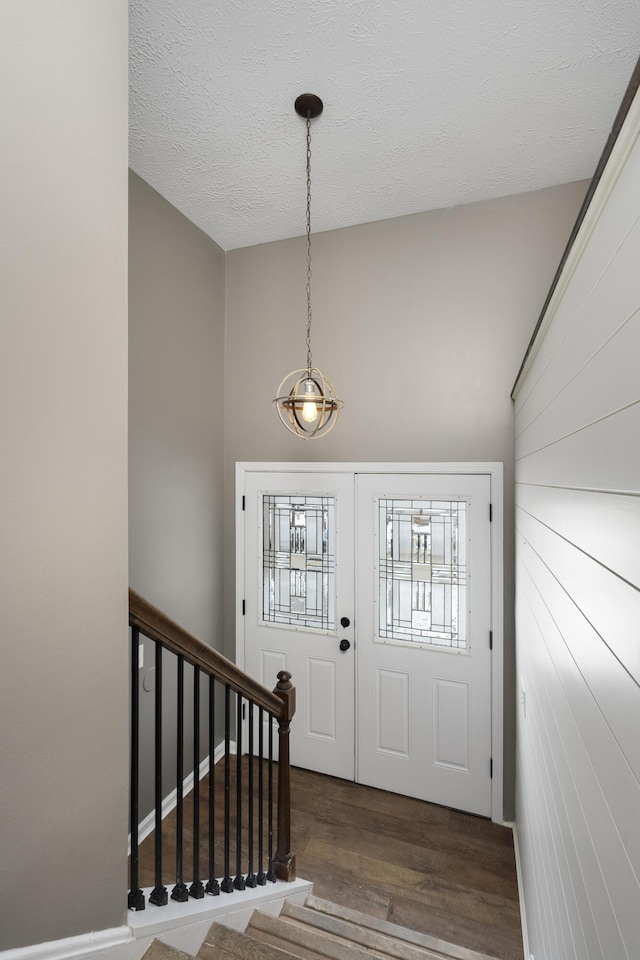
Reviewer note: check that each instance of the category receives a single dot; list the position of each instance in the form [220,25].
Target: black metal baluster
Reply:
[227,883]
[271,874]
[196,890]
[262,877]
[159,895]
[239,882]
[251,879]
[135,899]
[180,892]
[212,887]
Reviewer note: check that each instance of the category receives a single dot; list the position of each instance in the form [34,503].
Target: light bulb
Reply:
[309,407]
[309,411]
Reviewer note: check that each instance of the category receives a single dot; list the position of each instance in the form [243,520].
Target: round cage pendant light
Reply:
[306,401]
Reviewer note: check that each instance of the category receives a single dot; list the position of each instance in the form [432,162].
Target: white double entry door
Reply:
[374,591]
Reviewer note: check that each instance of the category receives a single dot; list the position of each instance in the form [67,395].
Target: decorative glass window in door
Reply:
[423,571]
[298,561]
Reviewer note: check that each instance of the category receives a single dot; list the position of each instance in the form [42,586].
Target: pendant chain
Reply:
[309,363]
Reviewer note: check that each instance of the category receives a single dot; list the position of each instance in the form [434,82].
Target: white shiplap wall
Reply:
[578,590]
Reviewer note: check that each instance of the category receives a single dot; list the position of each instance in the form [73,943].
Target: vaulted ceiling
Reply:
[428,104]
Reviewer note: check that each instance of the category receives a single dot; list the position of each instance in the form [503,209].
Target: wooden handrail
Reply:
[154,624]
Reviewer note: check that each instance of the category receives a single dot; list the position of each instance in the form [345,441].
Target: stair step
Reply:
[272,936]
[355,936]
[319,930]
[222,942]
[304,941]
[358,923]
[157,950]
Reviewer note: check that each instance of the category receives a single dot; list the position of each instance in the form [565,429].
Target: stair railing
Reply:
[256,862]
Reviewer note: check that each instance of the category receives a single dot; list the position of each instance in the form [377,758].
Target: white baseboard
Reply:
[520,878]
[232,909]
[147,826]
[71,946]
[181,925]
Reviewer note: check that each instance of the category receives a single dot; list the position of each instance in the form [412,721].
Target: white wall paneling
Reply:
[603,598]
[598,526]
[607,222]
[598,456]
[576,403]
[578,590]
[601,725]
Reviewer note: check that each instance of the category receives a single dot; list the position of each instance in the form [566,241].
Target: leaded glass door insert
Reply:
[298,561]
[422,572]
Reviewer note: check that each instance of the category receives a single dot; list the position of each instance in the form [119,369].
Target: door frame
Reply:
[495,473]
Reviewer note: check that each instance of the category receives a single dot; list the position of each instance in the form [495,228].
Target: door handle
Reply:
[344,645]
[345,622]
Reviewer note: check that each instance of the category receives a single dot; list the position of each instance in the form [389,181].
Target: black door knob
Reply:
[344,645]
[344,622]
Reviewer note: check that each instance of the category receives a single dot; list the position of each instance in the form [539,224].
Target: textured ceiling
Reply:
[428,104]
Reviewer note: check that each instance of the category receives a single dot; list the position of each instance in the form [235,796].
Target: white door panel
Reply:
[299,583]
[423,622]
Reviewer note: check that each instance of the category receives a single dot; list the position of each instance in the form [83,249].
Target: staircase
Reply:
[232,834]
[319,930]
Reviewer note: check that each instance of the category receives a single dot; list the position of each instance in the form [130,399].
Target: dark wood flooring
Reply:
[445,873]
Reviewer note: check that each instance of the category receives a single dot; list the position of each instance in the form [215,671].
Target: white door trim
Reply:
[495,472]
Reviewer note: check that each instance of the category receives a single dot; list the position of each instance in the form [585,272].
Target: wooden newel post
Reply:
[285,860]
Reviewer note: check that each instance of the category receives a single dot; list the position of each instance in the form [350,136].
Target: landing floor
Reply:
[439,871]
[445,873]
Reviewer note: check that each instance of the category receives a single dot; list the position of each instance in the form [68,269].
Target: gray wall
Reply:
[578,579]
[63,564]
[421,323]
[176,398]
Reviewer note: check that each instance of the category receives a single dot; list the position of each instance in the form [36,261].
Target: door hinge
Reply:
[244,607]
[490,639]
[490,512]
[491,768]
[243,502]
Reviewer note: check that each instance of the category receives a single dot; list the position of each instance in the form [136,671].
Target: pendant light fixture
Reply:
[306,401]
